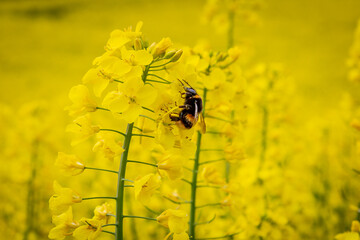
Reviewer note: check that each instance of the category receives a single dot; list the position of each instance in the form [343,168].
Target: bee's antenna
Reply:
[188,84]
[181,82]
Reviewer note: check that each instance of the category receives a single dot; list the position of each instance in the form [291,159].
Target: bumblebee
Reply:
[191,110]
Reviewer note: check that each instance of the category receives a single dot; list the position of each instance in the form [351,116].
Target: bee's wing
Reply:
[202,124]
[196,115]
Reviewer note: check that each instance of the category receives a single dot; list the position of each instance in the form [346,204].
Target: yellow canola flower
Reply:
[62,199]
[355,226]
[176,221]
[82,101]
[145,187]
[82,129]
[101,213]
[172,165]
[347,236]
[212,176]
[135,58]
[132,96]
[64,225]
[108,145]
[91,230]
[355,123]
[119,38]
[161,47]
[234,152]
[69,164]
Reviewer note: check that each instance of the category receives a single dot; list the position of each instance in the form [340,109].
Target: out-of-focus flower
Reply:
[145,187]
[82,101]
[82,129]
[176,221]
[69,164]
[108,145]
[133,95]
[62,199]
[102,212]
[64,225]
[173,165]
[89,231]
[212,176]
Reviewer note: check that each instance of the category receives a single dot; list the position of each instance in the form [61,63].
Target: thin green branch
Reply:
[112,130]
[100,169]
[147,218]
[112,233]
[154,75]
[143,135]
[110,224]
[144,116]
[187,181]
[207,222]
[104,109]
[208,205]
[157,81]
[150,110]
[176,202]
[144,163]
[208,186]
[212,161]
[91,198]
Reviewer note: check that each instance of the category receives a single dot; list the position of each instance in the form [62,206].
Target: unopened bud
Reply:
[151,47]
[169,54]
[177,55]
[138,44]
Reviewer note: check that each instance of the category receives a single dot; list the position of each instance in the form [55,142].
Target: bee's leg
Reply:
[186,106]
[183,95]
[174,117]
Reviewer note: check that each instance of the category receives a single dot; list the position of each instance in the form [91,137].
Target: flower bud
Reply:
[169,54]
[138,44]
[177,55]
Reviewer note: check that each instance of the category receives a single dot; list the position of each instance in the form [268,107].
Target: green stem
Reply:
[192,224]
[231,29]
[112,130]
[145,163]
[100,169]
[110,224]
[264,137]
[31,191]
[145,73]
[161,65]
[120,184]
[144,116]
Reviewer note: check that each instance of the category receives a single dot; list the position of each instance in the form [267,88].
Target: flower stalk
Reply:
[192,222]
[121,185]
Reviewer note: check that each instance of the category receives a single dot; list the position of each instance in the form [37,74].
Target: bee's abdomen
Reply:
[187,119]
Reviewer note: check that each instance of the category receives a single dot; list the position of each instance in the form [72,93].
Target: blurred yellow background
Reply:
[47,46]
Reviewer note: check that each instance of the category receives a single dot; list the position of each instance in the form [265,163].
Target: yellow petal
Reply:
[146,95]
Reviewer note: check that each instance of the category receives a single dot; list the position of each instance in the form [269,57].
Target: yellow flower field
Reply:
[209,119]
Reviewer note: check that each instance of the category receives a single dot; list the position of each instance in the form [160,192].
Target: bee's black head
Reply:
[190,91]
